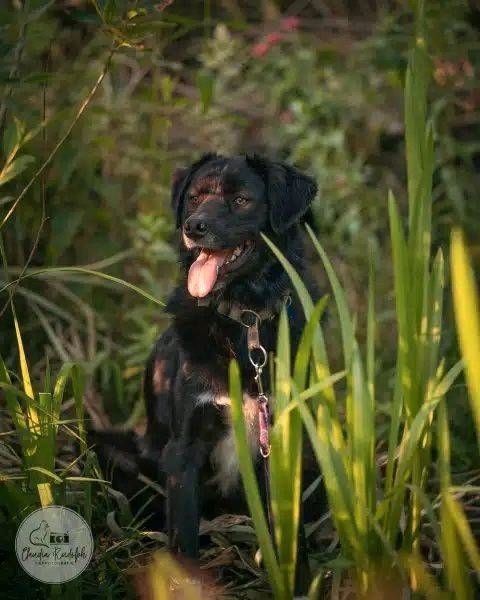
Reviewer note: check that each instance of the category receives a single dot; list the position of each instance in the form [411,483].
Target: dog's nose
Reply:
[195,227]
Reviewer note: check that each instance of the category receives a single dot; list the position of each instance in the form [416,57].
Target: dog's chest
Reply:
[223,457]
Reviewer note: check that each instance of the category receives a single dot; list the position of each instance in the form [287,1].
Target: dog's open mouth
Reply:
[211,265]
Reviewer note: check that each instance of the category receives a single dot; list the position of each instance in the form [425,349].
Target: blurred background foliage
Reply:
[315,82]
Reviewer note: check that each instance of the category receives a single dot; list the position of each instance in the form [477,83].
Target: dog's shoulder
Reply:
[159,378]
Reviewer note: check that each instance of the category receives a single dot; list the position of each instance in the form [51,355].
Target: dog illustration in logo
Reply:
[40,535]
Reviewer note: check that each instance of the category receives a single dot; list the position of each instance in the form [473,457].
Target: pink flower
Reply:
[273,38]
[290,23]
[259,50]
[263,47]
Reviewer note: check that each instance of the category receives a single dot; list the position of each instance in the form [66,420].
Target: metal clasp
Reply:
[257,355]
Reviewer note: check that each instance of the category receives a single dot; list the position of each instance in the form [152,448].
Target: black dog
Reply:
[221,206]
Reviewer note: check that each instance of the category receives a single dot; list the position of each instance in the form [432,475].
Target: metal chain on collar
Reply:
[257,355]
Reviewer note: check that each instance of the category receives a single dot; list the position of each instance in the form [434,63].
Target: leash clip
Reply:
[257,355]
[251,320]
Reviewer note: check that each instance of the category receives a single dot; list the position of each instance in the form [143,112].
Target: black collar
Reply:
[236,311]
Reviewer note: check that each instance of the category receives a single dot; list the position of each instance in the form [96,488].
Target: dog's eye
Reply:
[240,201]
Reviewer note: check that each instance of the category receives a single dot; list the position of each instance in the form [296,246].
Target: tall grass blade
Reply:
[407,455]
[396,412]
[27,384]
[448,380]
[464,531]
[53,271]
[467,315]
[340,492]
[453,554]
[405,332]
[304,298]
[250,484]
[360,410]
[285,462]
[371,331]
[346,322]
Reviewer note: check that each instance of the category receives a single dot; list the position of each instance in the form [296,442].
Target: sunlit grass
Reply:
[467,314]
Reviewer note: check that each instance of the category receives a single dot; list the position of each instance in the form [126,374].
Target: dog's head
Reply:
[223,204]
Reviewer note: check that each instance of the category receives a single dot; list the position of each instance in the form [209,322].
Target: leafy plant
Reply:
[36,418]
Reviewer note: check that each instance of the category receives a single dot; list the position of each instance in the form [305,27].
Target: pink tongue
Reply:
[202,275]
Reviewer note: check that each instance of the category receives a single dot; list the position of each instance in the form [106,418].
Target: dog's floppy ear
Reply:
[181,180]
[289,191]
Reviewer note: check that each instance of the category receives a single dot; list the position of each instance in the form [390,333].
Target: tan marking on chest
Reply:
[224,456]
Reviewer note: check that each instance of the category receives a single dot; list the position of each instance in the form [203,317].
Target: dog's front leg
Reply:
[303,575]
[186,498]
[183,496]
